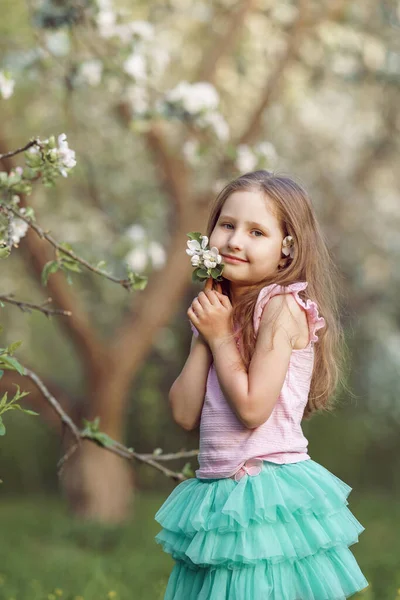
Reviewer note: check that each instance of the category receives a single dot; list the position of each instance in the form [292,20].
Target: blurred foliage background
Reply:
[308,88]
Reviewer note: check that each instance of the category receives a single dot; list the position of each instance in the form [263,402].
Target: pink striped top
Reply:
[225,443]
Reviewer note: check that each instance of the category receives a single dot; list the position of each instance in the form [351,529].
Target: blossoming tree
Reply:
[206,91]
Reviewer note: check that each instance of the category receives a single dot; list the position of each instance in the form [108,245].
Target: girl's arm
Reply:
[186,395]
[252,395]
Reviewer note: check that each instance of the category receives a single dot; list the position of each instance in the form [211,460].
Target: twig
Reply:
[14,152]
[28,306]
[112,446]
[53,402]
[126,283]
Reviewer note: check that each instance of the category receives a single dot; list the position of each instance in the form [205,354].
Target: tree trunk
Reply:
[98,484]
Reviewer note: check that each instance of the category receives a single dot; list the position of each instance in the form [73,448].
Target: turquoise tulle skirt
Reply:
[283,534]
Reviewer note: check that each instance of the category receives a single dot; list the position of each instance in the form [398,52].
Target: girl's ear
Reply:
[282,263]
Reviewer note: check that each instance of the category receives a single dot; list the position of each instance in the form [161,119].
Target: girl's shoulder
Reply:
[314,320]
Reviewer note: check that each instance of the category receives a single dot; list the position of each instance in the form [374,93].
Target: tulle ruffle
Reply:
[281,535]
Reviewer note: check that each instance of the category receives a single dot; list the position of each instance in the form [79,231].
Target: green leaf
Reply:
[202,273]
[11,363]
[49,268]
[24,410]
[13,347]
[2,427]
[5,252]
[3,400]
[1,374]
[66,246]
[187,470]
[71,265]
[139,282]
[195,235]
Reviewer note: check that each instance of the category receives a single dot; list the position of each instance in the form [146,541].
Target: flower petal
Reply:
[204,241]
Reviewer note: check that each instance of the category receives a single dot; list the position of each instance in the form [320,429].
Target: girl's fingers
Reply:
[208,284]
[224,299]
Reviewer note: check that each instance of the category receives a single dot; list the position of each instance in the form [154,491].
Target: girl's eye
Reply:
[259,233]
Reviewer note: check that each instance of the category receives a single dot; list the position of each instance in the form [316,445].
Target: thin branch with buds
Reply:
[111,445]
[126,283]
[28,306]
[19,150]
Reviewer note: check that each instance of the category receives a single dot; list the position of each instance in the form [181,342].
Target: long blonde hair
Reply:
[311,262]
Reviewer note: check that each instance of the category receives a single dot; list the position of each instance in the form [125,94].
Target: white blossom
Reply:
[246,160]
[18,229]
[201,256]
[91,71]
[267,151]
[374,53]
[138,97]
[143,29]
[345,64]
[136,233]
[65,155]
[194,97]
[157,255]
[137,259]
[135,66]
[58,42]
[6,85]
[211,258]
[217,122]
[195,260]
[106,22]
[190,151]
[284,13]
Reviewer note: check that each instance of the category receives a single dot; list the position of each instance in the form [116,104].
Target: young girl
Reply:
[261,520]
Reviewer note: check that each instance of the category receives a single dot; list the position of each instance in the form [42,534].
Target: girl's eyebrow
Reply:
[251,223]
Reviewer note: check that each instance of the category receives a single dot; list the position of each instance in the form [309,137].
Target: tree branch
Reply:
[225,44]
[275,80]
[126,283]
[78,326]
[104,440]
[19,150]
[28,306]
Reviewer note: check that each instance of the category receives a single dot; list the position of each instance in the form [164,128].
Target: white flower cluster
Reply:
[201,255]
[194,97]
[263,155]
[63,155]
[143,251]
[15,230]
[6,85]
[201,101]
[90,71]
[66,156]
[18,229]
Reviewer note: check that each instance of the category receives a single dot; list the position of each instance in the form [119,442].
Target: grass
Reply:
[46,555]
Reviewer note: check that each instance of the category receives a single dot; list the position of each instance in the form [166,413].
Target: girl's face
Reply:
[247,229]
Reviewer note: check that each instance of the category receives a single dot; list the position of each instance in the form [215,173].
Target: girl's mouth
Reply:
[233,260]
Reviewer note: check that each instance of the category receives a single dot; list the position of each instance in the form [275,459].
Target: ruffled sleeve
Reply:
[315,322]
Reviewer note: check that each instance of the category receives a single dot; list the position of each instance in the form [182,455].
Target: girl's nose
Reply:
[235,240]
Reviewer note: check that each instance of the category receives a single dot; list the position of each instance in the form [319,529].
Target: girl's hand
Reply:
[211,312]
